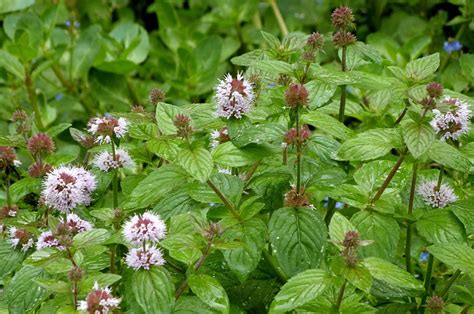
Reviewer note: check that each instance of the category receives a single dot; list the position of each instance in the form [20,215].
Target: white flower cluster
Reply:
[139,230]
[99,301]
[234,97]
[47,239]
[105,160]
[434,197]
[75,224]
[19,237]
[67,187]
[453,120]
[105,127]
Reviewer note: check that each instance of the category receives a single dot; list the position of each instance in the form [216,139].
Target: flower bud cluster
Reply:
[343,21]
[350,243]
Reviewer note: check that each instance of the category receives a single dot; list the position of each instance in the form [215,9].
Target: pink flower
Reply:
[146,227]
[436,198]
[105,160]
[99,301]
[47,239]
[106,127]
[144,258]
[234,96]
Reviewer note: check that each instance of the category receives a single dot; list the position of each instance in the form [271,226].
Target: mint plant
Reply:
[315,176]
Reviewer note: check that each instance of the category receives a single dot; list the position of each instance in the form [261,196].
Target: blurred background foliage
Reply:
[72,59]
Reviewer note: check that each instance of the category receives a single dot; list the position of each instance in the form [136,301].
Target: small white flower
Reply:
[215,138]
[20,237]
[67,187]
[47,239]
[225,171]
[17,163]
[77,225]
[146,227]
[452,119]
[105,160]
[99,301]
[106,127]
[234,97]
[438,199]
[139,258]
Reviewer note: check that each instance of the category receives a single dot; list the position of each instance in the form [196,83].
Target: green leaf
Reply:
[10,6]
[382,229]
[11,63]
[90,238]
[183,247]
[165,114]
[455,255]
[298,237]
[164,148]
[22,293]
[10,259]
[53,285]
[243,260]
[58,129]
[85,51]
[228,155]
[191,305]
[393,276]
[418,137]
[466,61]
[369,145]
[448,156]
[271,40]
[210,291]
[250,207]
[299,290]
[197,162]
[338,227]
[134,40]
[23,187]
[327,124]
[319,93]
[371,175]
[441,226]
[153,290]
[274,67]
[423,68]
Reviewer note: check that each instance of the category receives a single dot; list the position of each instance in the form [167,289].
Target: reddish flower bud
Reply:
[40,143]
[342,18]
[19,115]
[156,95]
[296,95]
[138,109]
[351,239]
[75,274]
[434,89]
[182,123]
[428,103]
[435,305]
[8,157]
[291,136]
[315,41]
[8,211]
[295,199]
[39,169]
[342,39]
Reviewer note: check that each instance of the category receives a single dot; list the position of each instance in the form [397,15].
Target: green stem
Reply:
[331,210]
[440,178]
[224,200]
[409,223]
[279,17]
[298,152]
[7,191]
[450,283]
[33,99]
[113,248]
[400,117]
[274,265]
[340,295]
[427,283]
[389,177]
[342,104]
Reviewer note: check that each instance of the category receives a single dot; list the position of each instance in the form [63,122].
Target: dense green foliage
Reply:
[312,201]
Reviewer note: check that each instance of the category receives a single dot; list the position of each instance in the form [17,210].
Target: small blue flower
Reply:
[424,256]
[339,205]
[67,23]
[450,46]
[77,24]
[59,96]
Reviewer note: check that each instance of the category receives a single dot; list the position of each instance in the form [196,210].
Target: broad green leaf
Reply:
[338,227]
[273,67]
[298,238]
[196,161]
[441,226]
[10,259]
[165,115]
[58,129]
[359,276]
[228,155]
[449,156]
[90,238]
[271,40]
[250,207]
[191,305]
[369,145]
[381,229]
[464,211]
[319,93]
[134,40]
[210,291]
[243,260]
[23,187]
[371,175]
[164,148]
[418,137]
[331,76]
[153,290]
[22,293]
[53,285]
[11,63]
[393,276]
[85,51]
[327,124]
[10,6]
[455,255]
[183,247]
[423,68]
[299,290]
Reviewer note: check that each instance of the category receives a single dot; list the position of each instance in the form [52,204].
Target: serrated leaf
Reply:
[197,162]
[210,291]
[455,255]
[164,148]
[298,238]
[441,226]
[165,115]
[338,227]
[422,68]
[418,137]
[153,290]
[90,238]
[57,129]
[299,290]
[319,93]
[274,67]
[11,63]
[183,247]
[10,259]
[327,124]
[448,156]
